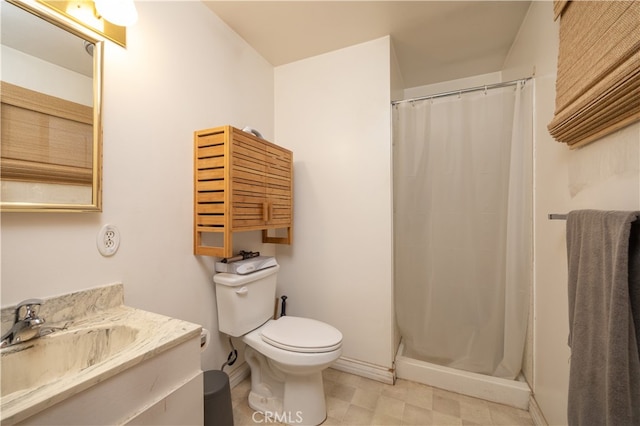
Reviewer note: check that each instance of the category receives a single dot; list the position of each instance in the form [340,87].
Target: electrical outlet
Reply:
[108,240]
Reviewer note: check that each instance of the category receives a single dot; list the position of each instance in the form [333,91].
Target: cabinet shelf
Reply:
[241,183]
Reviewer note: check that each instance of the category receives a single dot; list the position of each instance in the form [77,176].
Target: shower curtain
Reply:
[463,228]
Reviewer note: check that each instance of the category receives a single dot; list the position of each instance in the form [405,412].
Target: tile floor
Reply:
[355,400]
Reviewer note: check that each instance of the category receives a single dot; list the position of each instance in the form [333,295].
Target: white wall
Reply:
[183,70]
[36,74]
[397,90]
[603,175]
[333,112]
[397,81]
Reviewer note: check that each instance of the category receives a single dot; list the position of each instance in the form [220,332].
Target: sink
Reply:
[146,365]
[62,353]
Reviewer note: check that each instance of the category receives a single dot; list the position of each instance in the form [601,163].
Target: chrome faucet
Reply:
[27,323]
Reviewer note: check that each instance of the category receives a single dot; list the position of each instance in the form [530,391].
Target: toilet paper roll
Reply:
[205,337]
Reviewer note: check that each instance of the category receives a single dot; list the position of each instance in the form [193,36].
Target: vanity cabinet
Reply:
[241,183]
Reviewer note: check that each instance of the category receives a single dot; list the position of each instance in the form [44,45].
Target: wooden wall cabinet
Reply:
[241,183]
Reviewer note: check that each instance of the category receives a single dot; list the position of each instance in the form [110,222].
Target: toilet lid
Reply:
[301,335]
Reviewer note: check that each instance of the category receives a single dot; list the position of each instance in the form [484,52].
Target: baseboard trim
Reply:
[364,369]
[359,368]
[536,413]
[239,374]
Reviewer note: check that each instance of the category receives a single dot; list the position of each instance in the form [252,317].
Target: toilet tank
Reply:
[245,302]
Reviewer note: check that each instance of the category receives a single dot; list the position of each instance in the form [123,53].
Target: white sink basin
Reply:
[131,357]
[62,353]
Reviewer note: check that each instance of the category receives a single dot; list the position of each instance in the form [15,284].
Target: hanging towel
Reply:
[604,317]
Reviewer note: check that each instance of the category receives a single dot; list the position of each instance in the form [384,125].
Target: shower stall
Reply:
[463,238]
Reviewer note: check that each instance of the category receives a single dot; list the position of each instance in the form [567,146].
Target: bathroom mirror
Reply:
[51,146]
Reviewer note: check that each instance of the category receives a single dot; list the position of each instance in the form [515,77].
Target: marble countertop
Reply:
[153,334]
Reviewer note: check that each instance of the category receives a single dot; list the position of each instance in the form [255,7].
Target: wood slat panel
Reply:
[210,185]
[242,140]
[210,190]
[208,139]
[248,198]
[211,151]
[242,223]
[248,188]
[210,208]
[279,160]
[281,218]
[249,176]
[210,174]
[244,153]
[210,163]
[277,193]
[280,209]
[243,178]
[211,251]
[281,204]
[276,224]
[209,197]
[278,150]
[278,181]
[259,182]
[279,172]
[210,220]
[247,212]
[248,163]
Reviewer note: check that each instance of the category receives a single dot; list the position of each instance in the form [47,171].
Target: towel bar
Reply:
[556,216]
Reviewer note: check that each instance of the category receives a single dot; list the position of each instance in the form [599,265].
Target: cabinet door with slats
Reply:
[249,183]
[279,186]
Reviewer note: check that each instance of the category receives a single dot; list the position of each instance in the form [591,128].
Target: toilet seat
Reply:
[304,335]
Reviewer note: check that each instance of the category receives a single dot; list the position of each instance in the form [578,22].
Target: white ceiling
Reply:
[434,40]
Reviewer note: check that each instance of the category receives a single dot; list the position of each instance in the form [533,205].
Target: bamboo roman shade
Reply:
[44,138]
[598,81]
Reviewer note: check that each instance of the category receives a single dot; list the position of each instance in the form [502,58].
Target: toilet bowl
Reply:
[286,356]
[289,365]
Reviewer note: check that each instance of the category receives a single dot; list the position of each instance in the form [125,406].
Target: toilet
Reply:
[286,355]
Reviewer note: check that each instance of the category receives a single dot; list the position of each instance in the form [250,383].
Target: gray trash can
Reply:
[218,410]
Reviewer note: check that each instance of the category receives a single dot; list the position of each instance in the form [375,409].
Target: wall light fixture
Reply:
[119,12]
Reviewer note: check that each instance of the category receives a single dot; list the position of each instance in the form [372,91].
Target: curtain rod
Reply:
[459,92]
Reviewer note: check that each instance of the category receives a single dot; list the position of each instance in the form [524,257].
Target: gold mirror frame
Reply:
[43,12]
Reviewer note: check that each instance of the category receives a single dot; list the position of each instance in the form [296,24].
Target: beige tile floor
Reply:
[355,400]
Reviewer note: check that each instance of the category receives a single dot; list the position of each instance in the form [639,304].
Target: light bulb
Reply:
[119,12]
